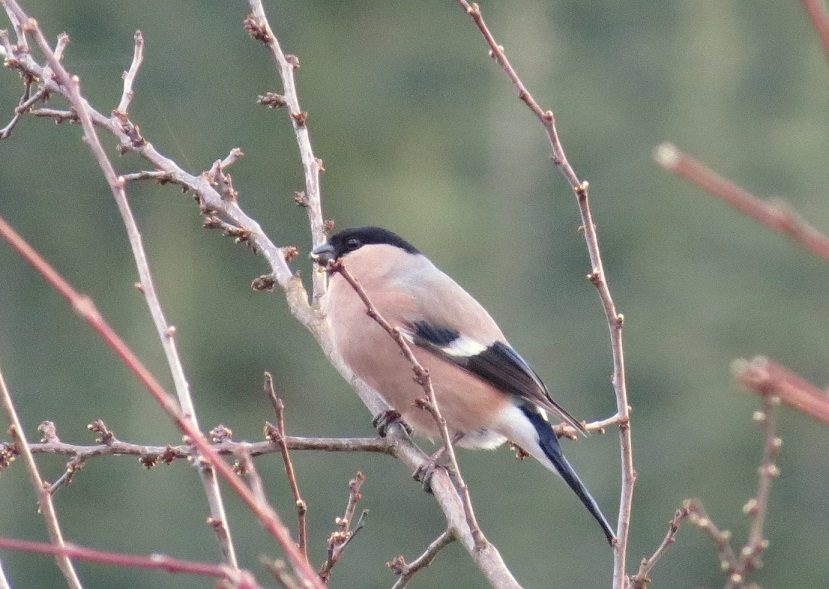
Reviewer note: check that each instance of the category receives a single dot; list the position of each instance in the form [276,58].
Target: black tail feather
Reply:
[548,441]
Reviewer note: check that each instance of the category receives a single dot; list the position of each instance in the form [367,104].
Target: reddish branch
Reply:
[615,320]
[767,377]
[820,20]
[238,578]
[70,85]
[425,380]
[277,435]
[84,306]
[775,215]
[736,565]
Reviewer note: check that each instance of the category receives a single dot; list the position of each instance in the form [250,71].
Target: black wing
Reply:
[496,363]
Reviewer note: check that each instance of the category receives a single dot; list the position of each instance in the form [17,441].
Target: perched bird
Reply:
[485,390]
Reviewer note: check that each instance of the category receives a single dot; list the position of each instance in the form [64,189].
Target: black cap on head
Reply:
[349,240]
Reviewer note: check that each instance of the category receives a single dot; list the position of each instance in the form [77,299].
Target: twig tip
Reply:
[666,155]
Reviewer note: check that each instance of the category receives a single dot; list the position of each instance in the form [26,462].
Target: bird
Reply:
[486,392]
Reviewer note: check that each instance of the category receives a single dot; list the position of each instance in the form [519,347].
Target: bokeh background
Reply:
[422,133]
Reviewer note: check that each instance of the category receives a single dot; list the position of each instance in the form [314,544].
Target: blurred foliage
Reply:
[422,133]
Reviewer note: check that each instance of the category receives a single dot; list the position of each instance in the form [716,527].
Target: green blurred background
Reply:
[422,133]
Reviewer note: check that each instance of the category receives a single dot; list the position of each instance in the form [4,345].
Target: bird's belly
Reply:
[468,404]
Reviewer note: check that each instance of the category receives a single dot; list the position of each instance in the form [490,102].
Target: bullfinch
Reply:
[485,390]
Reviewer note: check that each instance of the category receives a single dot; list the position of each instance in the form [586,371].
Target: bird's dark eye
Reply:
[353,243]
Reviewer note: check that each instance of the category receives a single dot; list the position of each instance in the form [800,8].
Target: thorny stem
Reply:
[615,320]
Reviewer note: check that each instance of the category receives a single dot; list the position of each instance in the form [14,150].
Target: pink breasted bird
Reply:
[485,390]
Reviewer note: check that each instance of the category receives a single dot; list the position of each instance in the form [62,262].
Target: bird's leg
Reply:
[383,421]
[424,472]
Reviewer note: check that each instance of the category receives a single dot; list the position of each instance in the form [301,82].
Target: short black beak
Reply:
[323,254]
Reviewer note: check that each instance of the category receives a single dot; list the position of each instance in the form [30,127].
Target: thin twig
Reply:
[129,75]
[27,101]
[424,379]
[765,376]
[71,86]
[776,215]
[344,533]
[258,26]
[279,434]
[44,497]
[281,572]
[820,20]
[641,579]
[237,577]
[615,320]
[157,175]
[247,469]
[84,306]
[568,431]
[59,116]
[758,506]
[152,455]
[699,517]
[406,571]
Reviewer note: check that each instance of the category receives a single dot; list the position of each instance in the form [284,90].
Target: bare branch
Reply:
[27,101]
[406,571]
[641,579]
[44,497]
[258,26]
[238,578]
[767,377]
[758,506]
[129,75]
[341,537]
[84,306]
[775,215]
[158,175]
[721,538]
[278,436]
[615,320]
[281,572]
[70,86]
[151,455]
[247,469]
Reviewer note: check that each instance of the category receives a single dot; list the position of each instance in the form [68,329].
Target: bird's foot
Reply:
[424,474]
[383,421]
